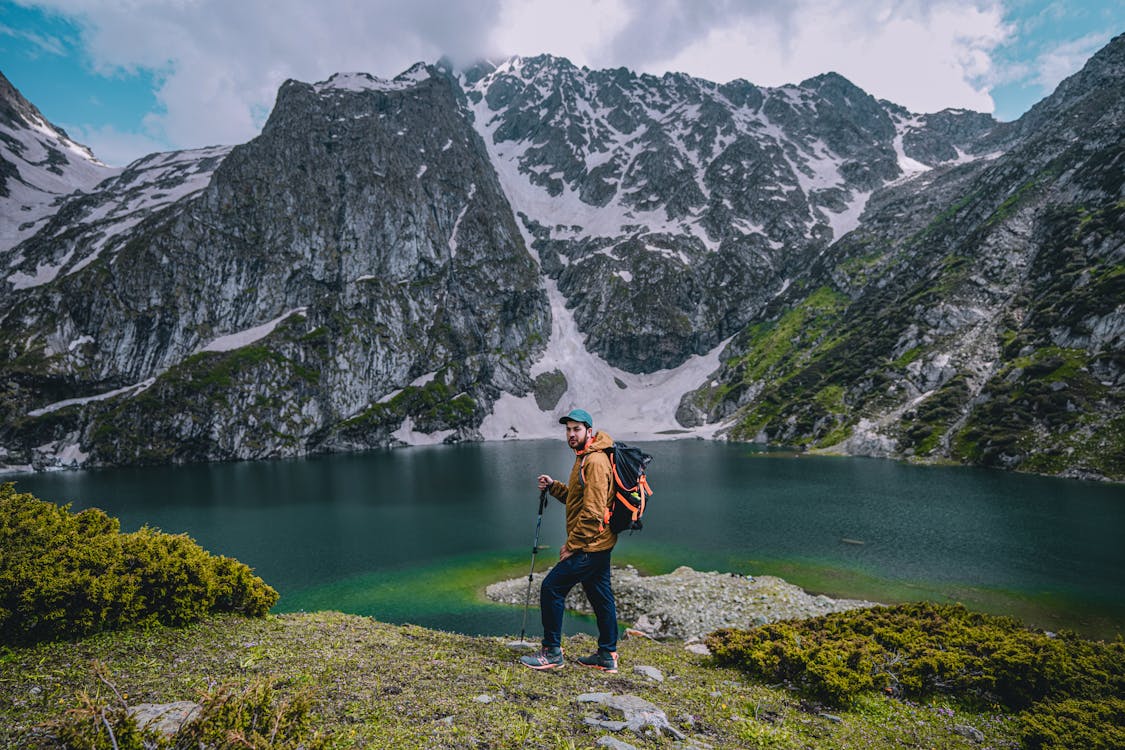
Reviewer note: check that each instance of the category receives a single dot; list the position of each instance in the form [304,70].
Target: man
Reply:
[584,558]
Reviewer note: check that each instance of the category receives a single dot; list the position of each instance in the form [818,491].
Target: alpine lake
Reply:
[415,534]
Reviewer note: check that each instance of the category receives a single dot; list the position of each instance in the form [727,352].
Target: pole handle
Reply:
[542,501]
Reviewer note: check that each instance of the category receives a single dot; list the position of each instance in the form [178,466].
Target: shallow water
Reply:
[412,535]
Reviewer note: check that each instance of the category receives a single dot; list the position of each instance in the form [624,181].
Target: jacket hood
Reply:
[602,440]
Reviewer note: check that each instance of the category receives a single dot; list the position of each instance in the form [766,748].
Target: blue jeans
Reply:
[591,569]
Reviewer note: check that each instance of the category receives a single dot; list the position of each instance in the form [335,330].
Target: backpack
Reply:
[630,488]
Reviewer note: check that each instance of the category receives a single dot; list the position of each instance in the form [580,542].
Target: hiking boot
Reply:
[547,658]
[603,660]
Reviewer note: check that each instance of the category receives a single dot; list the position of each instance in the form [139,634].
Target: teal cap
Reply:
[578,415]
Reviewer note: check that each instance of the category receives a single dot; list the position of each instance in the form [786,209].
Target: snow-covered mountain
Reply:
[39,166]
[455,255]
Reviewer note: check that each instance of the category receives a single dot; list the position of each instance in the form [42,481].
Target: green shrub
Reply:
[93,726]
[252,718]
[1091,725]
[922,649]
[66,574]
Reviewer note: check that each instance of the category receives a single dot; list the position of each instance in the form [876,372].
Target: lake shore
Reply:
[687,603]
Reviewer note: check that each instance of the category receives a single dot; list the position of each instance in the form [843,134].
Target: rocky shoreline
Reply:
[688,604]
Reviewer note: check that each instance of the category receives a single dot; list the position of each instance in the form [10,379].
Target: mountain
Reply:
[351,272]
[977,313]
[454,255]
[39,166]
[644,181]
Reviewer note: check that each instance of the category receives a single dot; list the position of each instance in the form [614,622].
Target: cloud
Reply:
[44,44]
[925,56]
[218,64]
[579,30]
[1064,59]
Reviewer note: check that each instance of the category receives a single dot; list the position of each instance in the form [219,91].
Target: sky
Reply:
[130,77]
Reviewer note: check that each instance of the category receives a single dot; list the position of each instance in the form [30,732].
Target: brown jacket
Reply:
[587,496]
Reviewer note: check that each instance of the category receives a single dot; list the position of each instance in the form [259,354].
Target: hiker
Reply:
[584,558]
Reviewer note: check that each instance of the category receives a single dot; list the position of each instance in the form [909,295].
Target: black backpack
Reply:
[630,488]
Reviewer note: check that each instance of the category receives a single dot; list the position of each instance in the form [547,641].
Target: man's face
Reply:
[576,434]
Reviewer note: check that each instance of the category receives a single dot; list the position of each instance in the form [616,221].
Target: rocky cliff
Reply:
[976,314]
[352,272]
[457,254]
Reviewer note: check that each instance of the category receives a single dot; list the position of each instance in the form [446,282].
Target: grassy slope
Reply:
[380,685]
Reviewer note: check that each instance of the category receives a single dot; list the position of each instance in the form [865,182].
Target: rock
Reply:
[831,717]
[689,604]
[521,644]
[698,648]
[639,714]
[613,743]
[651,673]
[648,625]
[968,732]
[166,718]
[484,698]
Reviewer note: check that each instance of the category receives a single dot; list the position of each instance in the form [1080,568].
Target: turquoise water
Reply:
[412,535]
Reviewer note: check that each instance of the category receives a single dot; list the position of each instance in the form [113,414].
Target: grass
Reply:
[402,686]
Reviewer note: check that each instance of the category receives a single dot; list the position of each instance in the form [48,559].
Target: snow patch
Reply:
[407,434]
[240,339]
[44,274]
[367,82]
[848,219]
[457,223]
[910,167]
[132,390]
[423,380]
[644,409]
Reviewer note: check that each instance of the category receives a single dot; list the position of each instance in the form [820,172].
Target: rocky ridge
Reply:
[633,189]
[39,166]
[291,298]
[975,314]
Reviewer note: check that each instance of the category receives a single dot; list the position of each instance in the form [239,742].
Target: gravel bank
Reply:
[689,604]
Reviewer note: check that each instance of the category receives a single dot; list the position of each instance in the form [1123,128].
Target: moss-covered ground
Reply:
[389,686]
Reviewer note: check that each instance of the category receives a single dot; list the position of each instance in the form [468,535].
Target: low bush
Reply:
[66,574]
[922,649]
[254,717]
[1091,725]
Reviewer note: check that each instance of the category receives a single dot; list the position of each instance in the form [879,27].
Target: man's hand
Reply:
[564,553]
[545,481]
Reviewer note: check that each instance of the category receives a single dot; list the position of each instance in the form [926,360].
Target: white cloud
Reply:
[578,30]
[219,63]
[45,44]
[1065,59]
[925,57]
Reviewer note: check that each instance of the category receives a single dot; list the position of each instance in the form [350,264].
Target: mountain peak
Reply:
[409,78]
[829,79]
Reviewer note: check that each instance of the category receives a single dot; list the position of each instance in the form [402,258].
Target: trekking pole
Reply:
[534,552]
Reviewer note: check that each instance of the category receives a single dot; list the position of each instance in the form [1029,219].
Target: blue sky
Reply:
[131,78]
